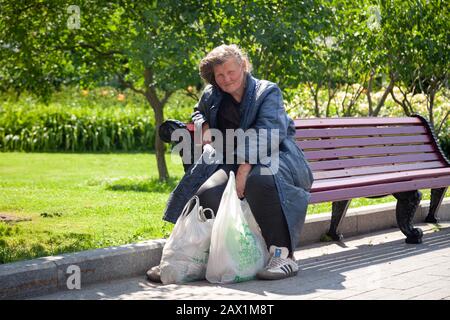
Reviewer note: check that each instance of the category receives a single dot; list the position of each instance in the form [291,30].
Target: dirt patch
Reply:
[9,218]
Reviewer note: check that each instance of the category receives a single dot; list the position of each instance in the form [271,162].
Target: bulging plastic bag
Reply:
[238,250]
[185,254]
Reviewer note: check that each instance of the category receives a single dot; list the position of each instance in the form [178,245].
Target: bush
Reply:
[102,120]
[58,128]
[444,141]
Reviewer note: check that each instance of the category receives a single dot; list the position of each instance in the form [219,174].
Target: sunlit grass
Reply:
[80,201]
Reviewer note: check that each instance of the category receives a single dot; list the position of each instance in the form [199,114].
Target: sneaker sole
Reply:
[275,276]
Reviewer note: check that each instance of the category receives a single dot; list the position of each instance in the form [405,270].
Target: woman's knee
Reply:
[258,184]
[210,197]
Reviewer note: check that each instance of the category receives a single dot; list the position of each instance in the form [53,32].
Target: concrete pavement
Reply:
[368,267]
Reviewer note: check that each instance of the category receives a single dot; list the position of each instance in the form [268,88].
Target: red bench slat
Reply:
[362,131]
[349,163]
[350,152]
[320,175]
[350,121]
[378,189]
[377,178]
[337,143]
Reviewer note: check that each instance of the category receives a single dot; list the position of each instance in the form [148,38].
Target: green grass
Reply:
[80,201]
[85,201]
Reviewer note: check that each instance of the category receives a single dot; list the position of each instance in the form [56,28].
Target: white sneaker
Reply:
[279,266]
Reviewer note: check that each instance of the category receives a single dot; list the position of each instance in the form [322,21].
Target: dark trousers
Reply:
[262,196]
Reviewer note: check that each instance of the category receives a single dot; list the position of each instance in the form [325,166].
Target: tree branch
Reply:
[331,94]
[129,85]
[389,89]
[369,92]
[406,102]
[167,95]
[405,109]
[191,95]
[91,46]
[81,44]
[442,122]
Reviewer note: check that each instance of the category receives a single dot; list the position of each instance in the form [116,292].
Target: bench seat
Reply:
[372,157]
[382,184]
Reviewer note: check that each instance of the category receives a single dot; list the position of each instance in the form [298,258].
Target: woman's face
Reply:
[229,76]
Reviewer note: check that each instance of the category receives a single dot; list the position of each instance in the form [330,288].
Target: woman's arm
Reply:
[200,116]
[241,178]
[206,134]
[272,118]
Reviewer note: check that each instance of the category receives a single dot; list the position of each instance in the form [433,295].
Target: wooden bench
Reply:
[373,157]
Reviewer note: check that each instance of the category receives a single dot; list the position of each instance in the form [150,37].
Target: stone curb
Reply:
[47,275]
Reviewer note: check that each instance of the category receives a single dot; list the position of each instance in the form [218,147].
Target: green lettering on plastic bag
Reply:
[244,247]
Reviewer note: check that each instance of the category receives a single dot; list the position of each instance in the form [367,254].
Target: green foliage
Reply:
[158,44]
[416,40]
[417,46]
[445,145]
[129,43]
[61,128]
[83,121]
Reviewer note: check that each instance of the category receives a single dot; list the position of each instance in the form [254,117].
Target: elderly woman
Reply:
[235,99]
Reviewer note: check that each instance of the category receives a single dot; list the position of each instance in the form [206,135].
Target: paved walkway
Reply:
[374,266]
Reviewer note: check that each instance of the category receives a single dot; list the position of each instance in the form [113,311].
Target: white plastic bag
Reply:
[185,254]
[238,250]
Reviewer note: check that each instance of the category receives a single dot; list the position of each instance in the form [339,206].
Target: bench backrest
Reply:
[346,147]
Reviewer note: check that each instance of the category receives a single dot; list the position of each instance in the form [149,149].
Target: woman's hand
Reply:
[241,178]
[206,137]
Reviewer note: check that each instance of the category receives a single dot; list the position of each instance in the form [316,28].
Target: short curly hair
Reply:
[218,56]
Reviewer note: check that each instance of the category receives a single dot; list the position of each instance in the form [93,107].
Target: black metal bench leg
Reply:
[338,211]
[436,200]
[407,203]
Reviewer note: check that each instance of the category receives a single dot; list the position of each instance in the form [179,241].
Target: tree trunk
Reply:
[369,93]
[315,94]
[388,90]
[331,94]
[159,146]
[157,107]
[431,107]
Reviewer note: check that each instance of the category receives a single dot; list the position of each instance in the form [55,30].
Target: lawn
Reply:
[80,201]
[72,202]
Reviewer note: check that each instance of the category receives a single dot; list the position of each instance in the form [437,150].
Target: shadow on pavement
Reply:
[325,272]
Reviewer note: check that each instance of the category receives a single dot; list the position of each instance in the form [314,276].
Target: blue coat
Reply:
[261,107]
